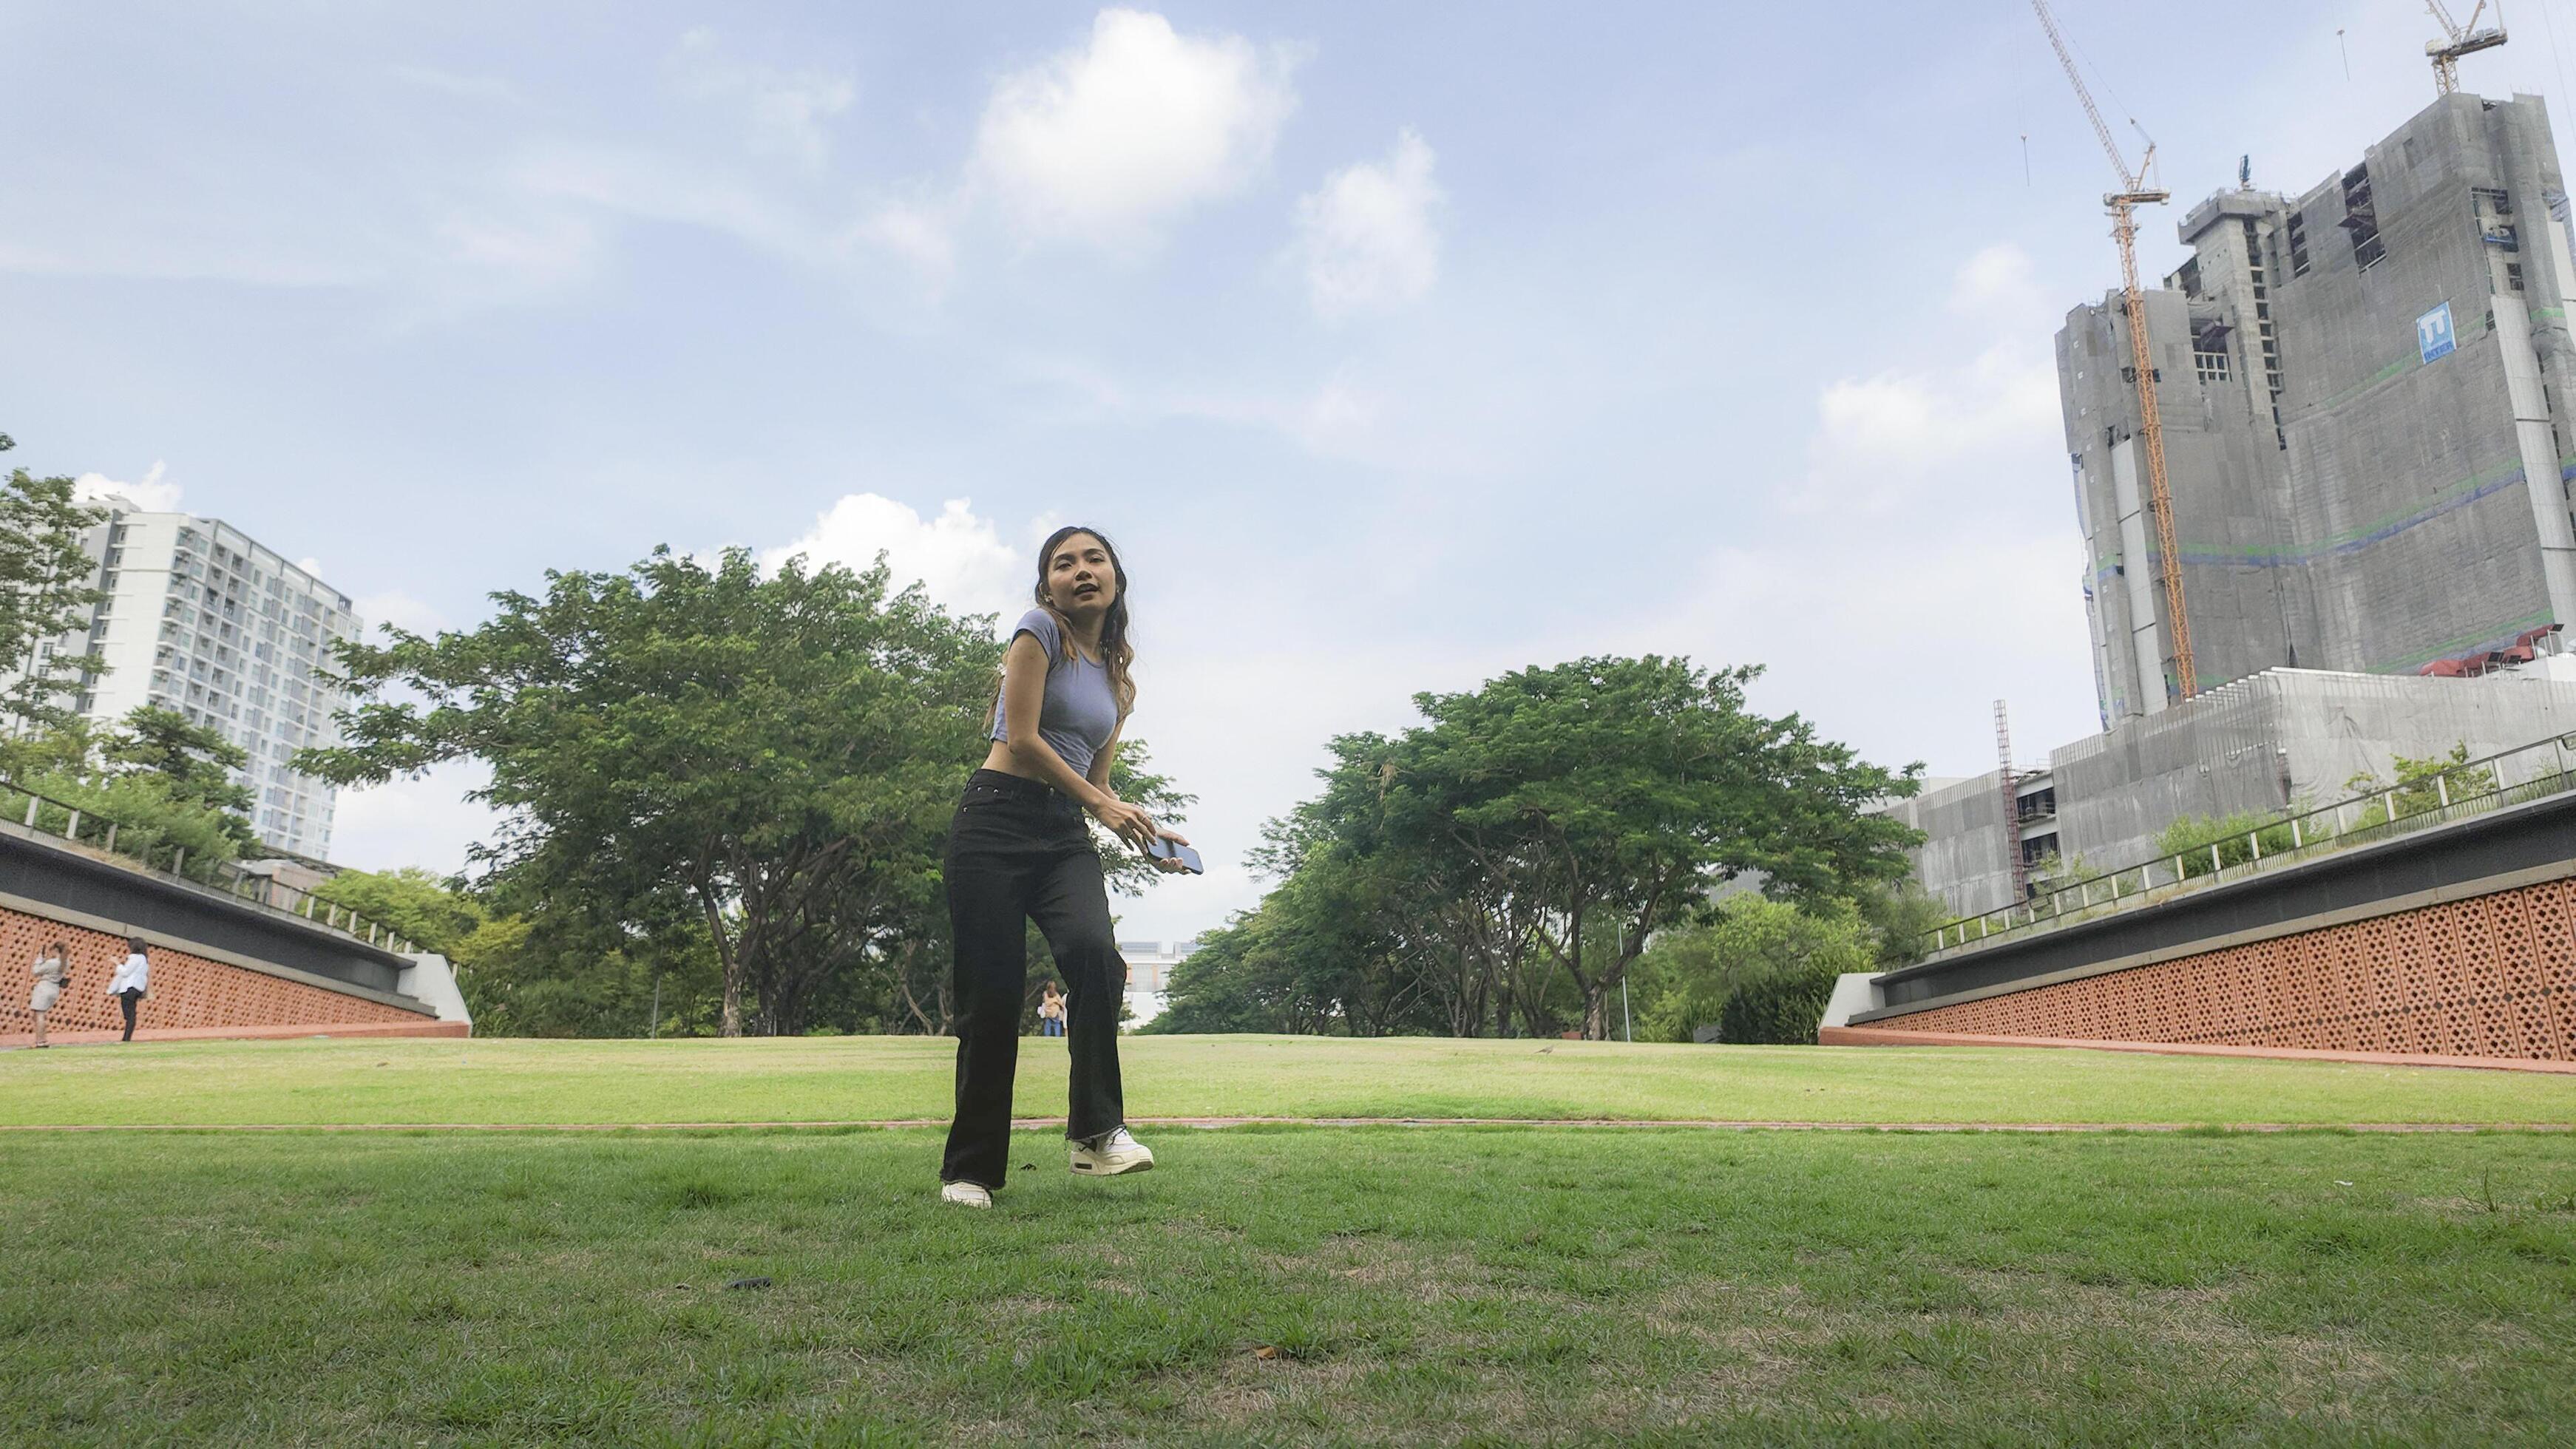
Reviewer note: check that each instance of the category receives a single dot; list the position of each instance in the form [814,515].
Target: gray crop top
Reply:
[1080,711]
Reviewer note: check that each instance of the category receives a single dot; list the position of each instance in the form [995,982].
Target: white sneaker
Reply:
[965,1194]
[1112,1153]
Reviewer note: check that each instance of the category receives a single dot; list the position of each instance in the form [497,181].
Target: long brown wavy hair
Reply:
[1116,651]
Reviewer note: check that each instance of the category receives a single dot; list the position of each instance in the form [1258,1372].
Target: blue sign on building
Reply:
[2433,333]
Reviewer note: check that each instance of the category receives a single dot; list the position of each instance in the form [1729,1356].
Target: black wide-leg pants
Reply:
[1019,851]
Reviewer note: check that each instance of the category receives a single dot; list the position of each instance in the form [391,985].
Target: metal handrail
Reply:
[2403,808]
[331,916]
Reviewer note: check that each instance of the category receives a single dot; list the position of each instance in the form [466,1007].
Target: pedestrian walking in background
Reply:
[52,969]
[1050,1011]
[1018,851]
[131,983]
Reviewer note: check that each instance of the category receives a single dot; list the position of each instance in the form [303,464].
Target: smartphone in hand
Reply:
[1162,849]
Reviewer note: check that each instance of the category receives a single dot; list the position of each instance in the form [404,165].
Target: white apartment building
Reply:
[1149,975]
[203,620]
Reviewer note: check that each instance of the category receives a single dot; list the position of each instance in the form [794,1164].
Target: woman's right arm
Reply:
[1024,677]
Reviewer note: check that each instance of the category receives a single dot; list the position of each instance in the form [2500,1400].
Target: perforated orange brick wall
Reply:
[2492,976]
[187,991]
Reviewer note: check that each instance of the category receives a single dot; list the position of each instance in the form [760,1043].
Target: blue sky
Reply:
[1395,345]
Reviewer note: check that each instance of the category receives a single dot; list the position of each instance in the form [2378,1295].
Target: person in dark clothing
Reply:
[131,983]
[1019,851]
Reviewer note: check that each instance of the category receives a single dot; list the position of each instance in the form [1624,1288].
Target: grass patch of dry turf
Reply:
[1291,1285]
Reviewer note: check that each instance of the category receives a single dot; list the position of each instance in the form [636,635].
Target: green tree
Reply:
[151,826]
[194,763]
[1902,913]
[1768,955]
[1233,983]
[1625,790]
[556,972]
[45,594]
[774,755]
[1505,864]
[415,904]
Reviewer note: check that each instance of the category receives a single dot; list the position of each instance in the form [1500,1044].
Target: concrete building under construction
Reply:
[2368,400]
[2367,415]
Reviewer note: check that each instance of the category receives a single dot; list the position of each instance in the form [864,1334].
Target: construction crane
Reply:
[2464,41]
[2133,193]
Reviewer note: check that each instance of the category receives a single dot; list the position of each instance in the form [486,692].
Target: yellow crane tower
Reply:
[2134,192]
[2464,40]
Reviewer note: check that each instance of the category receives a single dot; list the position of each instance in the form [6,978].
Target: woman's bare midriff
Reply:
[999,758]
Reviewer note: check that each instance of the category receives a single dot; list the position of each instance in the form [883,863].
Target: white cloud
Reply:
[1999,282]
[427,822]
[543,249]
[1107,142]
[1367,236]
[665,188]
[397,608]
[786,111]
[478,88]
[1885,438]
[958,557]
[1944,623]
[922,232]
[149,494]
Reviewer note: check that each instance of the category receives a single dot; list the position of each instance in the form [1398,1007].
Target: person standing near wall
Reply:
[52,969]
[131,983]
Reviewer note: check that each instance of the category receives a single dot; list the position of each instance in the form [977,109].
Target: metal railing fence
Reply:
[2469,787]
[83,826]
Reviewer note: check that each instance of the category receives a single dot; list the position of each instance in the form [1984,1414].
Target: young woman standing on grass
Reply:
[51,969]
[1019,851]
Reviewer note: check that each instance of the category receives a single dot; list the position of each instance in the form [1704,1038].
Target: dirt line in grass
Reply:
[1032,1124]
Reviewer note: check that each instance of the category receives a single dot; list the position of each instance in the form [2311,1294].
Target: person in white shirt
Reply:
[131,983]
[52,967]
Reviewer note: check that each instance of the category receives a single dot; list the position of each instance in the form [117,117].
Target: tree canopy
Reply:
[192,763]
[1503,865]
[698,750]
[45,594]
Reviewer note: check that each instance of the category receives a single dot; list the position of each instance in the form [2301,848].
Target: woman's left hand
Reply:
[1170,864]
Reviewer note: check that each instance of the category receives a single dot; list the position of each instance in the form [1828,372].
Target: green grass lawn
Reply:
[1291,1285]
[1278,1284]
[875,1078]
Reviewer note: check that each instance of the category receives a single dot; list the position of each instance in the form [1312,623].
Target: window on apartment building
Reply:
[2361,218]
[2298,244]
[2513,275]
[2209,366]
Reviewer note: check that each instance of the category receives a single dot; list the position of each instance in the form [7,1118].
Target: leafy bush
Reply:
[1781,1009]
[1752,969]
[2192,836]
[2420,786]
[413,903]
[150,825]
